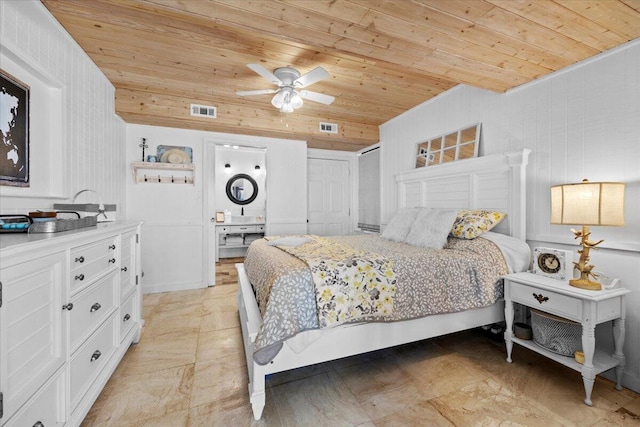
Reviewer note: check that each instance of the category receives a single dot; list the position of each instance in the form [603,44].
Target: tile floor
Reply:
[189,370]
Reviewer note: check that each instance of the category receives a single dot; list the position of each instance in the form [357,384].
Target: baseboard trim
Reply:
[629,380]
[170,287]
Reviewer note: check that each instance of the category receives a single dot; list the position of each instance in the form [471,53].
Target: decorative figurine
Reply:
[143,145]
[582,265]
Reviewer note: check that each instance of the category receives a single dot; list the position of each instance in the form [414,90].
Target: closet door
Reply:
[329,197]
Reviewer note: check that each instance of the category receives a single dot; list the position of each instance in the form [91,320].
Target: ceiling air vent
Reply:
[328,127]
[203,111]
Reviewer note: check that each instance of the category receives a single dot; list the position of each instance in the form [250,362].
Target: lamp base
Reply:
[585,284]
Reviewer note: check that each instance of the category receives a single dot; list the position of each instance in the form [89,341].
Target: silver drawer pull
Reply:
[95,356]
[80,259]
[112,246]
[112,261]
[126,317]
[68,306]
[38,424]
[95,307]
[123,269]
[80,277]
[540,298]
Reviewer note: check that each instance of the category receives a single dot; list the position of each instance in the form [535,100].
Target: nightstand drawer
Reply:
[551,302]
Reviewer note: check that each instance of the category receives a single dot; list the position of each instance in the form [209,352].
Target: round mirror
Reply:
[242,189]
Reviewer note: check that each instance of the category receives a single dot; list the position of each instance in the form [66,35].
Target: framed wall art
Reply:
[14,131]
[457,145]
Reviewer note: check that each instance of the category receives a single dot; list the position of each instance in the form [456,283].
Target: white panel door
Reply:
[328,206]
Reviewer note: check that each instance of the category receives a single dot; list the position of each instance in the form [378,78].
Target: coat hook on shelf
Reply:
[172,178]
[185,179]
[145,177]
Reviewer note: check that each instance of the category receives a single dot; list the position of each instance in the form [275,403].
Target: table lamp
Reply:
[587,203]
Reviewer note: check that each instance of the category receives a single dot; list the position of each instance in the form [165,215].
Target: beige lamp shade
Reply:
[588,203]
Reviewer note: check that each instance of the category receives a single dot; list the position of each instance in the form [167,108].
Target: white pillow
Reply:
[400,224]
[431,228]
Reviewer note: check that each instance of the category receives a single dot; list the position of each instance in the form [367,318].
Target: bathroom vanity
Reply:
[233,238]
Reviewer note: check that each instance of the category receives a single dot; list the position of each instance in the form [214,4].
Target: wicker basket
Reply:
[556,334]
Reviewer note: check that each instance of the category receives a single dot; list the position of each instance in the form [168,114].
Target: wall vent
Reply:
[203,111]
[328,127]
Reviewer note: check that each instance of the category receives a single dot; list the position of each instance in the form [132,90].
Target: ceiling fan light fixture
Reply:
[296,100]
[287,98]
[286,108]
[278,99]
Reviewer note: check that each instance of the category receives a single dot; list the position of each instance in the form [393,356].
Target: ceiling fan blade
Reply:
[317,97]
[255,92]
[265,73]
[312,77]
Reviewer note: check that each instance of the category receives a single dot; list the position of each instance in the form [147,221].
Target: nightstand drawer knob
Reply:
[540,298]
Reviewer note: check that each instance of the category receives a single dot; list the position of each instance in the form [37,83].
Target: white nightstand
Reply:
[589,308]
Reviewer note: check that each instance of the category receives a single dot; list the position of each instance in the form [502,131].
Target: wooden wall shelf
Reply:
[163,173]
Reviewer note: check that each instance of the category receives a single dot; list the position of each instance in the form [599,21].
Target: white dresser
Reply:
[70,309]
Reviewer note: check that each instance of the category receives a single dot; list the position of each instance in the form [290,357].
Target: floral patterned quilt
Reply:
[462,276]
[350,284]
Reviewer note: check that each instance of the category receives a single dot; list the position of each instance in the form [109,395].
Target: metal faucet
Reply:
[101,209]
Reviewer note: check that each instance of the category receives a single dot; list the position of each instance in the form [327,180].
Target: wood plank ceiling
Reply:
[384,56]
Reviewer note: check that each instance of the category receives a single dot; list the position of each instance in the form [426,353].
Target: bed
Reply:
[495,182]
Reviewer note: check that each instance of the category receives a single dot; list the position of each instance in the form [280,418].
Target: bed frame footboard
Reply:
[344,341]
[250,321]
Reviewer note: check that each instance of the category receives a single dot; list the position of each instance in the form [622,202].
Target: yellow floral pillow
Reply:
[470,224]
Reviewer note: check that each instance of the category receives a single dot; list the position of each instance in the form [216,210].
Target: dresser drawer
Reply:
[128,315]
[46,406]
[549,301]
[87,363]
[91,261]
[91,308]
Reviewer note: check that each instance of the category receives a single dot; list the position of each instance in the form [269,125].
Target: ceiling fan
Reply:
[288,95]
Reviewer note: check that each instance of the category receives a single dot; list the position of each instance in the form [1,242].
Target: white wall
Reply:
[177,248]
[581,122]
[76,139]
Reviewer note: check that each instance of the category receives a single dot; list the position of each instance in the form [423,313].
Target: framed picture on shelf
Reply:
[14,131]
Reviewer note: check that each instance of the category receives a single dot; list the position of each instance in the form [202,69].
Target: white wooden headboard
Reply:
[496,182]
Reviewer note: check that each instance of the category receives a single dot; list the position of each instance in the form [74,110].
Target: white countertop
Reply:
[11,243]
